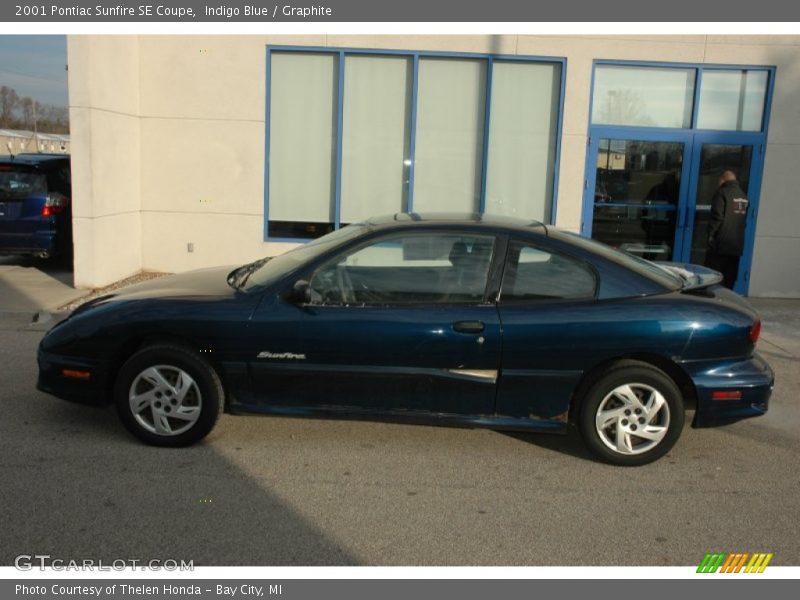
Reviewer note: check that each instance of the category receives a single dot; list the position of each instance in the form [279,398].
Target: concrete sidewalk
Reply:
[30,286]
[780,320]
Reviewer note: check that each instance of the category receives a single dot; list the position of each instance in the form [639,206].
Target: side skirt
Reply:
[403,416]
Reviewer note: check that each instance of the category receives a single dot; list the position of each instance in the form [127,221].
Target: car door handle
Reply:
[469,326]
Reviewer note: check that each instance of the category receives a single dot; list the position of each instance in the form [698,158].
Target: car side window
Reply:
[533,273]
[407,268]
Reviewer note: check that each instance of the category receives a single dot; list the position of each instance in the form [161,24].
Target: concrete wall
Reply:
[105,135]
[191,113]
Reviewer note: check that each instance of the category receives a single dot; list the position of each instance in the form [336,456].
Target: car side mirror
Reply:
[301,292]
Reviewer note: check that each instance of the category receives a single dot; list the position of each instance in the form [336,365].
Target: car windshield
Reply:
[260,274]
[636,264]
[16,182]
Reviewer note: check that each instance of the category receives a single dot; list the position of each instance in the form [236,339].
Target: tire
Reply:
[632,415]
[166,395]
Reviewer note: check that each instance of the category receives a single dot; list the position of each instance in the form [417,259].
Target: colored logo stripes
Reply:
[735,563]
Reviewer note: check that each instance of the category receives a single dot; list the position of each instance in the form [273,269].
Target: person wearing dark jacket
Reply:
[726,228]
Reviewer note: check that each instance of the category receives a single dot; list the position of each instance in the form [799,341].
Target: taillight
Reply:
[755,331]
[54,203]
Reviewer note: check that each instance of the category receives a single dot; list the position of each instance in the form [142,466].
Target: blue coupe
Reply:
[469,320]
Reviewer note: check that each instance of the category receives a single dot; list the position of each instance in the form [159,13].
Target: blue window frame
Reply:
[414,56]
[693,140]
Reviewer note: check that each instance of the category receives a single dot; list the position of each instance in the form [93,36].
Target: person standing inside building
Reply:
[726,228]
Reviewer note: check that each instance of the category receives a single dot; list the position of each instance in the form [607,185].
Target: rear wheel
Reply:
[168,396]
[632,415]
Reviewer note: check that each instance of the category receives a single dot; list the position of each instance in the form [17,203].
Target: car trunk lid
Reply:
[703,281]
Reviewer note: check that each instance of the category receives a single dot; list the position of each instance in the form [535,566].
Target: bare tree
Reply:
[27,109]
[9,100]
[27,113]
[624,107]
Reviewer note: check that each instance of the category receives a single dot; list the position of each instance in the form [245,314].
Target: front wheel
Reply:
[632,415]
[168,396]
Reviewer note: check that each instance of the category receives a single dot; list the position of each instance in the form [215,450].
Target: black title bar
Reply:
[332,11]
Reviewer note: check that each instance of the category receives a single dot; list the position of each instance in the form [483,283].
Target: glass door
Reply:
[713,154]
[640,190]
[651,195]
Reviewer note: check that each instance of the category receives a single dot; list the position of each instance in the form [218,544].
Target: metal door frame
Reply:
[733,138]
[695,137]
[645,135]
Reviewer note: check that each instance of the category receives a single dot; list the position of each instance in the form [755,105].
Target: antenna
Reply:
[10,149]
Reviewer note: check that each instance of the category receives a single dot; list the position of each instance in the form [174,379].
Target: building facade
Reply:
[16,141]
[192,151]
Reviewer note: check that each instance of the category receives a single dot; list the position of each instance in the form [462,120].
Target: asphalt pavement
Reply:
[277,491]
[34,284]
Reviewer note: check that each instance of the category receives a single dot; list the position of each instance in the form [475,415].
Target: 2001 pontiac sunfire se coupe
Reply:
[480,321]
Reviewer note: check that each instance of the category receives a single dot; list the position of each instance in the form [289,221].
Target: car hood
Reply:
[211,282]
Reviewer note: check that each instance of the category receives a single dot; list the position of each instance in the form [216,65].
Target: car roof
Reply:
[32,159]
[495,221]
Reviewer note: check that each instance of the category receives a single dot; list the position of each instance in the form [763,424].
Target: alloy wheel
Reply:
[165,400]
[632,418]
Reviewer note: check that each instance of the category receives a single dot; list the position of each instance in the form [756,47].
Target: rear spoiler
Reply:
[694,277]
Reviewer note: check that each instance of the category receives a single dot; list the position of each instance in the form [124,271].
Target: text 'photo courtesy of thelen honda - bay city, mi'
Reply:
[455,319]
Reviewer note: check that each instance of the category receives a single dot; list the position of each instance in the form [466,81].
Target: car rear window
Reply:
[642,267]
[534,274]
[16,182]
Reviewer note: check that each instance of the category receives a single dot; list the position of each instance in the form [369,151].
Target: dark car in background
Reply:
[35,207]
[469,320]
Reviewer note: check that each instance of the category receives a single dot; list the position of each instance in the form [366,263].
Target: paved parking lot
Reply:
[263,490]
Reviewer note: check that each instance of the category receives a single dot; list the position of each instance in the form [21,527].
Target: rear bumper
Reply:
[28,243]
[752,377]
[94,390]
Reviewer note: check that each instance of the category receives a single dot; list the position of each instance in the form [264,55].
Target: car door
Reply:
[545,306]
[399,323]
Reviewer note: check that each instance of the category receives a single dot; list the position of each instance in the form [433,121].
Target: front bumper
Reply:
[94,390]
[752,377]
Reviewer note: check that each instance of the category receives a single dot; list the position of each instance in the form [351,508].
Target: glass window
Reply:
[643,96]
[16,183]
[534,274]
[732,100]
[636,193]
[354,142]
[435,267]
[638,265]
[714,159]
[269,271]
[375,136]
[449,144]
[302,158]
[522,138]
